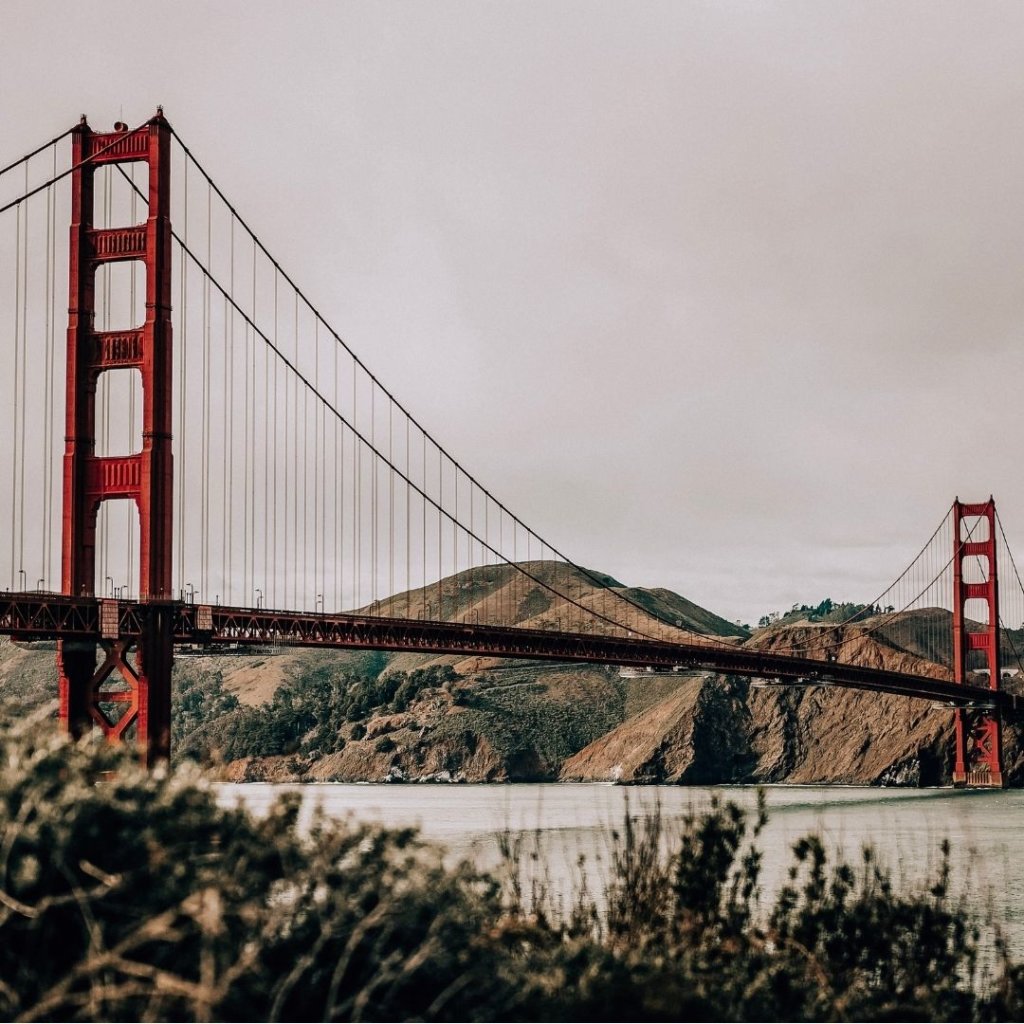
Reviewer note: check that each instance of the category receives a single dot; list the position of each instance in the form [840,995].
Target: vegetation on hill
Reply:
[127,896]
[305,716]
[534,727]
[824,611]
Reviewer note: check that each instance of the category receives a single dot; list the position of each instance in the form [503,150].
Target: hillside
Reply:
[557,594]
[715,728]
[370,716]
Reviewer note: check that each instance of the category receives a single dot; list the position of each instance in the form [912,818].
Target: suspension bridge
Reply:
[233,474]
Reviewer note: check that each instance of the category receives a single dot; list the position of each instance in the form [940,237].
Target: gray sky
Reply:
[727,298]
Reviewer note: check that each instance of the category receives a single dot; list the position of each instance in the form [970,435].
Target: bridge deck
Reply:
[33,616]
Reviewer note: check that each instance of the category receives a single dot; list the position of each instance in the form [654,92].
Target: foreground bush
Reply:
[132,897]
[127,896]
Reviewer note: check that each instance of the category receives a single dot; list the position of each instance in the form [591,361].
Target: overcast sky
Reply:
[725,297]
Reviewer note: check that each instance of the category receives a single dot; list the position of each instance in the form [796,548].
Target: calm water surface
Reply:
[567,822]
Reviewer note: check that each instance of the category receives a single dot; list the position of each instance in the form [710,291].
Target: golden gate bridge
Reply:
[232,473]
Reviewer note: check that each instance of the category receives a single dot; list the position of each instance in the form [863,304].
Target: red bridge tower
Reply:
[979,742]
[142,682]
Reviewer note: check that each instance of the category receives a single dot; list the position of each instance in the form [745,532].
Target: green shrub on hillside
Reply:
[538,724]
[197,701]
[824,611]
[304,715]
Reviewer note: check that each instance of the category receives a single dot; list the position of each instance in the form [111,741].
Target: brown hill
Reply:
[722,729]
[550,594]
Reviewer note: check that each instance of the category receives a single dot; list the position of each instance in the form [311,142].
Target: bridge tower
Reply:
[138,682]
[979,742]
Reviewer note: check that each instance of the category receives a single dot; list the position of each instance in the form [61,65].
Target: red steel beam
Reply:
[146,476]
[42,617]
[978,757]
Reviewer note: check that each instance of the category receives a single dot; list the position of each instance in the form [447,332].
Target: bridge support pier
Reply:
[76,665]
[154,659]
[979,740]
[139,686]
[146,476]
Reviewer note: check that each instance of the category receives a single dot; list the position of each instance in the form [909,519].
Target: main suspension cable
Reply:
[35,152]
[820,640]
[1020,584]
[593,577]
[370,448]
[70,170]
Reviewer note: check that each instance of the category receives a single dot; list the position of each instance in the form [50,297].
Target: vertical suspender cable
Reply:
[516,578]
[287,488]
[24,387]
[225,528]
[318,459]
[356,464]
[373,493]
[252,441]
[17,403]
[440,525]
[408,522]
[338,490]
[247,587]
[455,522]
[205,485]
[269,459]
[273,505]
[320,468]
[295,456]
[391,505]
[47,388]
[305,467]
[342,508]
[182,347]
[228,426]
[423,501]
[53,375]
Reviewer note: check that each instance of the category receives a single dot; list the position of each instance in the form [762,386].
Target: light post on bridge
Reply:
[319,603]
[24,579]
[110,586]
[259,598]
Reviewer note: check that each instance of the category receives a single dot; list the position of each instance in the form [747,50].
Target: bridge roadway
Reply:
[40,616]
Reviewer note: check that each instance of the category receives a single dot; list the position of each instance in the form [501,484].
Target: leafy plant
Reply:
[134,896]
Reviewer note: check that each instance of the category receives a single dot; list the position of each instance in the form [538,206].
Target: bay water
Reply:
[569,826]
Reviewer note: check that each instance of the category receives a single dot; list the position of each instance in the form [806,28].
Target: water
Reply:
[567,822]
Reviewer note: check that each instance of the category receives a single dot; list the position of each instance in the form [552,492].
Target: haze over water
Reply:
[565,822]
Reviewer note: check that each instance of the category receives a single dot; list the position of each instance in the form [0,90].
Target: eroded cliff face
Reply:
[846,736]
[723,730]
[726,729]
[697,736]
